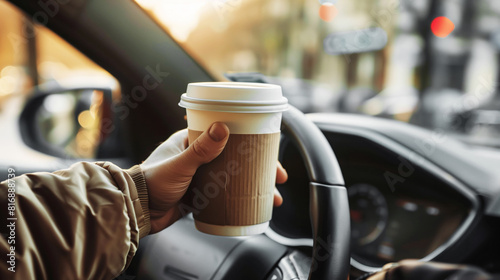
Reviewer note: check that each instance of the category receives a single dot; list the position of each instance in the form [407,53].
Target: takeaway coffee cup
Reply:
[233,194]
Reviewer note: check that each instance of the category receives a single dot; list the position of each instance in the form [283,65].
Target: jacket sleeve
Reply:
[84,222]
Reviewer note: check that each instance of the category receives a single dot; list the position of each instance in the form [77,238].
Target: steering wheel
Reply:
[329,206]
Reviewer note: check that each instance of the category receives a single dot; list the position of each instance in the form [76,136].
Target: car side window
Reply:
[32,58]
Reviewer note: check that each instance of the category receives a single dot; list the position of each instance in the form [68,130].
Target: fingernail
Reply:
[218,132]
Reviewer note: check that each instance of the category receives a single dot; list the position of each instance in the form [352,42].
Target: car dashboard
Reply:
[402,204]
[412,195]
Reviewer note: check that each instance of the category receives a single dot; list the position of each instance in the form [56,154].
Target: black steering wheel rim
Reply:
[329,206]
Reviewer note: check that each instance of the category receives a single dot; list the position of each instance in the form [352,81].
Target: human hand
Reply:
[168,171]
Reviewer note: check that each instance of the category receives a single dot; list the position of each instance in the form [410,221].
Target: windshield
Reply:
[431,63]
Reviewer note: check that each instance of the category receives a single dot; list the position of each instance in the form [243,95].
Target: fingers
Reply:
[278,199]
[180,139]
[161,219]
[281,175]
[205,148]
[173,146]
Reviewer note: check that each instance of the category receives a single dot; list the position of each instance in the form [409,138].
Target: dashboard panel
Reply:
[398,209]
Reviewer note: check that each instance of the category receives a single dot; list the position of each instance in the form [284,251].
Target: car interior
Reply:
[391,139]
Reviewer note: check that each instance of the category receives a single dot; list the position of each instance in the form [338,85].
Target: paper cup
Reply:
[233,195]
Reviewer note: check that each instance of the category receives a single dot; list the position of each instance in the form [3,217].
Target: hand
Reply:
[170,168]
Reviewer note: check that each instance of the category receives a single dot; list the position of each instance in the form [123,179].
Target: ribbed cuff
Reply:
[142,191]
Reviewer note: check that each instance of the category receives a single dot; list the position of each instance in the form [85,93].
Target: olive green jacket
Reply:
[84,222]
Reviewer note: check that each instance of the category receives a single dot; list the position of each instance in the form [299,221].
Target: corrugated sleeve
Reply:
[142,191]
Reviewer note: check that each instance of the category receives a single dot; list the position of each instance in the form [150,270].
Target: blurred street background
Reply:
[446,83]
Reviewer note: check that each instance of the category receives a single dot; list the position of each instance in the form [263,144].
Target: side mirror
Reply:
[71,121]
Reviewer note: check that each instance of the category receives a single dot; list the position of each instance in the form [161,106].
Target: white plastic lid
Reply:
[234,97]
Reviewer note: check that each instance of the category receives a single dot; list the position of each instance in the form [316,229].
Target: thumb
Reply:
[205,148]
